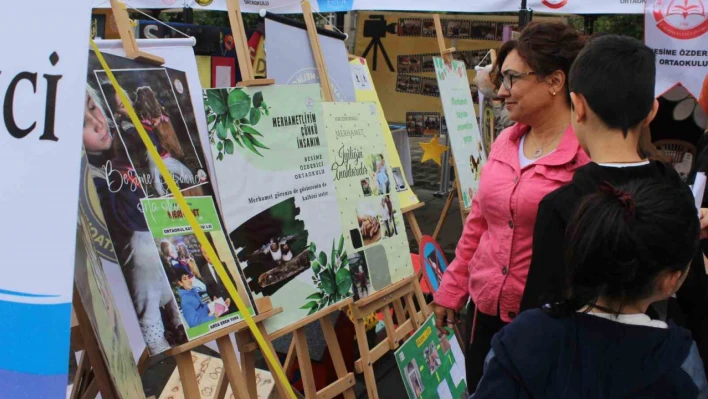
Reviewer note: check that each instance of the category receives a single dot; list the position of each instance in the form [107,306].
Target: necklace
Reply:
[540,149]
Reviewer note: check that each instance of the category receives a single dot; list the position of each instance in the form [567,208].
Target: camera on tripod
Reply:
[376,27]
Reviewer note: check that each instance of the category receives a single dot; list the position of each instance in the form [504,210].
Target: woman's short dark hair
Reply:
[622,237]
[546,47]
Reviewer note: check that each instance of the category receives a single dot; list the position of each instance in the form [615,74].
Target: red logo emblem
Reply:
[554,4]
[681,19]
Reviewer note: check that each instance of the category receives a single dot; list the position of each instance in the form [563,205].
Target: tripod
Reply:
[376,44]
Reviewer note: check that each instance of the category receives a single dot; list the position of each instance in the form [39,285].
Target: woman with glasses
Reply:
[527,161]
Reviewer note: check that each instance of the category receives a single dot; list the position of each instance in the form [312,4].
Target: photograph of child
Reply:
[432,358]
[379,174]
[366,187]
[413,377]
[388,216]
[369,220]
[360,275]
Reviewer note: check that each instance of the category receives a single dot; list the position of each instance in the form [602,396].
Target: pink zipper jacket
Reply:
[494,253]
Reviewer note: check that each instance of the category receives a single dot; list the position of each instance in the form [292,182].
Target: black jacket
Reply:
[588,357]
[546,279]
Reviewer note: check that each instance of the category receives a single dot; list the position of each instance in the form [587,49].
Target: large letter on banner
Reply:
[41,89]
[677,31]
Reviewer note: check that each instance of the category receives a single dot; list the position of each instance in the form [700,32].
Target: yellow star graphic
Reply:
[433,150]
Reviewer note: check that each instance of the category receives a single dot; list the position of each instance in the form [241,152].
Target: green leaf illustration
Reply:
[328,284]
[344,281]
[316,267]
[229,146]
[220,156]
[255,116]
[313,249]
[255,142]
[249,144]
[235,135]
[221,129]
[216,102]
[250,130]
[211,119]
[323,258]
[341,244]
[239,104]
[309,305]
[316,296]
[345,261]
[220,145]
[333,256]
[257,99]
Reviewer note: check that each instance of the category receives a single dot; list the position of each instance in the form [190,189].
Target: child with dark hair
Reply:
[628,246]
[194,310]
[612,95]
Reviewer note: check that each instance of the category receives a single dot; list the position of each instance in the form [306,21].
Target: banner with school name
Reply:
[277,197]
[464,137]
[204,303]
[678,33]
[374,232]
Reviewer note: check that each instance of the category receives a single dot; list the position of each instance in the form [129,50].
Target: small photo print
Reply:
[413,377]
[483,30]
[408,63]
[410,125]
[432,124]
[428,28]
[398,179]
[459,29]
[368,217]
[419,123]
[366,187]
[462,56]
[499,31]
[414,84]
[445,344]
[430,87]
[360,275]
[402,83]
[379,178]
[409,27]
[388,217]
[427,64]
[443,127]
[432,358]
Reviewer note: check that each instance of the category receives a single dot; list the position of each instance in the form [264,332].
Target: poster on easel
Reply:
[366,92]
[464,137]
[289,59]
[95,293]
[280,208]
[432,366]
[374,232]
[41,83]
[124,175]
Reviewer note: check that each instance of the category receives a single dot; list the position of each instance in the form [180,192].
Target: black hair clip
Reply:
[622,196]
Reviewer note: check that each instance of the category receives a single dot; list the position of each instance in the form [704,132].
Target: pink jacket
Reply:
[494,253]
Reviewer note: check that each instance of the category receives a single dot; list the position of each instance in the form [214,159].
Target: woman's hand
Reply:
[704,222]
[444,317]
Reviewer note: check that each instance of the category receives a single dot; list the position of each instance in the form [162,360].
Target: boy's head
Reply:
[612,87]
[183,281]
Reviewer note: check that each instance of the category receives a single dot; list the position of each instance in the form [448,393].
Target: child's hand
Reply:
[704,222]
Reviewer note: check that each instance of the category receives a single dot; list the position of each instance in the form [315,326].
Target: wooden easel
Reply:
[298,346]
[398,297]
[238,376]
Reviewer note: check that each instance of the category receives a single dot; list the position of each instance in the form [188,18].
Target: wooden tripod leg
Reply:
[412,312]
[282,391]
[365,353]
[290,357]
[446,209]
[390,328]
[231,368]
[424,307]
[81,376]
[303,359]
[248,361]
[415,229]
[187,375]
[222,386]
[335,352]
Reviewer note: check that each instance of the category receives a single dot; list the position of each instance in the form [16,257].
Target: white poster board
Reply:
[41,85]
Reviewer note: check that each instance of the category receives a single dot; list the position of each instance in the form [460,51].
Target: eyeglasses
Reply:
[508,79]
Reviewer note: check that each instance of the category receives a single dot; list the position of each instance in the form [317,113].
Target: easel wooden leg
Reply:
[232,369]
[248,361]
[222,386]
[335,353]
[424,307]
[446,209]
[413,223]
[400,312]
[282,391]
[367,367]
[390,328]
[303,358]
[81,378]
[290,357]
[187,375]
[412,312]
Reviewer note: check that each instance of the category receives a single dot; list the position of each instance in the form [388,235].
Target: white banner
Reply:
[41,86]
[678,33]
[290,6]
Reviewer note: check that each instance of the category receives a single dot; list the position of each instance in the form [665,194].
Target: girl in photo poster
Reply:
[382,176]
[386,217]
[119,194]
[186,257]
[172,258]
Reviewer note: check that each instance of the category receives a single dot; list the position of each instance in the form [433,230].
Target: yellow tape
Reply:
[196,228]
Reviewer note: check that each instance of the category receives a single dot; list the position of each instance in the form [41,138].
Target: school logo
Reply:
[91,207]
[681,19]
[204,3]
[554,4]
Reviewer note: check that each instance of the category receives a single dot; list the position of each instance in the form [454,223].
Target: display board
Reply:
[41,87]
[678,33]
[98,303]
[432,367]
[277,196]
[366,92]
[399,49]
[289,59]
[464,137]
[124,175]
[375,243]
